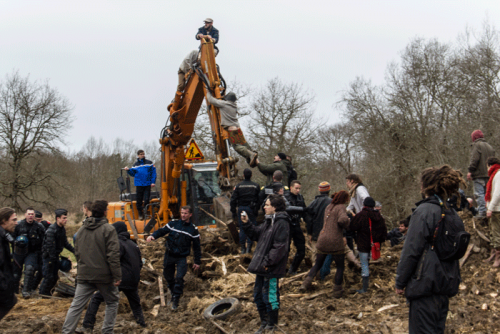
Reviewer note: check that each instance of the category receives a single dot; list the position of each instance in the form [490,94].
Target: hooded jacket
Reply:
[419,270]
[228,111]
[481,151]
[269,169]
[361,224]
[271,254]
[97,251]
[130,260]
[316,214]
[143,172]
[331,237]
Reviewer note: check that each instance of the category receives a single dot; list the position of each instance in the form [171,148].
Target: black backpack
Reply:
[450,240]
[292,176]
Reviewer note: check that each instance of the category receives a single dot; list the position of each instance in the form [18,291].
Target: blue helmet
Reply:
[22,241]
[65,264]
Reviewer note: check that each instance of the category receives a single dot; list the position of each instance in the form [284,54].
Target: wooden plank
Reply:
[464,258]
[162,294]
[132,226]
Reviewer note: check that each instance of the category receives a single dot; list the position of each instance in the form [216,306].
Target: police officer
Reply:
[55,241]
[272,188]
[296,210]
[38,275]
[28,237]
[245,198]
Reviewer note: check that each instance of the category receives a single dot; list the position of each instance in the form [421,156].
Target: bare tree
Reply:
[34,119]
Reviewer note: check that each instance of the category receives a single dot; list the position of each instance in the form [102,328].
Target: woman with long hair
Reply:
[331,241]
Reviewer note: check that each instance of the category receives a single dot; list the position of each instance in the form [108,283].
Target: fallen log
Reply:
[219,326]
[482,236]
[162,293]
[309,297]
[293,278]
[467,253]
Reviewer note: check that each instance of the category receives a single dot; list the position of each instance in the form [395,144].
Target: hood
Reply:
[287,163]
[321,195]
[372,213]
[124,235]
[430,199]
[92,223]
[282,215]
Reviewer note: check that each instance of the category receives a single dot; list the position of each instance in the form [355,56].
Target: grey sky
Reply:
[117,61]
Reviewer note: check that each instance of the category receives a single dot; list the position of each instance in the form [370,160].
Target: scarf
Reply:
[491,173]
[352,191]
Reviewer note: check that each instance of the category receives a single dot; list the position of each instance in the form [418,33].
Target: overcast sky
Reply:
[117,61]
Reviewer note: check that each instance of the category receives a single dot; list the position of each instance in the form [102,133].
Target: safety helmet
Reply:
[65,264]
[22,241]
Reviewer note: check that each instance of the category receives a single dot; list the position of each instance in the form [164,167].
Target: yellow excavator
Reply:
[204,185]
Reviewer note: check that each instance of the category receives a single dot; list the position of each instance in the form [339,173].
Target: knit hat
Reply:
[369,202]
[324,187]
[120,227]
[38,214]
[476,134]
[282,156]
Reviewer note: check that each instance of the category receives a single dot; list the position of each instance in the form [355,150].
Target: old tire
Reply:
[221,309]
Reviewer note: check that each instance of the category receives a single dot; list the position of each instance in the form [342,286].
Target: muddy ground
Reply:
[380,310]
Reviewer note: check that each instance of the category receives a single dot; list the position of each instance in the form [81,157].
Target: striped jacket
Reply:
[181,235]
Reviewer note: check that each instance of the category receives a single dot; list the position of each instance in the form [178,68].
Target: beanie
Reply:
[476,134]
[324,187]
[38,214]
[282,156]
[369,202]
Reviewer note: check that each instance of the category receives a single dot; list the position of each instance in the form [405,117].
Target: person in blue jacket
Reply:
[144,174]
[181,235]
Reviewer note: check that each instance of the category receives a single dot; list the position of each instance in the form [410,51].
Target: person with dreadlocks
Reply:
[492,198]
[229,121]
[426,280]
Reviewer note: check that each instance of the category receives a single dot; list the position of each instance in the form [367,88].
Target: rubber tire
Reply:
[65,289]
[233,309]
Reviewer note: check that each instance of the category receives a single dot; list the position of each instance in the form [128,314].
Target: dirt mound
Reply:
[223,274]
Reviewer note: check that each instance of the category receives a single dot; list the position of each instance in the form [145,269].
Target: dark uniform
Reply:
[296,210]
[316,214]
[35,233]
[7,297]
[245,197]
[38,274]
[54,243]
[271,189]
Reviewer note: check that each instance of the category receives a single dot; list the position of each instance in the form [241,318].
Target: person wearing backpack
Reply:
[428,272]
[492,198]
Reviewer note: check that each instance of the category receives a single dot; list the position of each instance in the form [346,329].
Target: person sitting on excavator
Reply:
[186,66]
[209,31]
[229,120]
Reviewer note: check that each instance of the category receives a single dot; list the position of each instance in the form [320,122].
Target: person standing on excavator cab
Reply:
[144,174]
[229,121]
[209,31]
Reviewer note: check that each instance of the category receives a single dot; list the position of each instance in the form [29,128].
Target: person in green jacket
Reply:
[280,163]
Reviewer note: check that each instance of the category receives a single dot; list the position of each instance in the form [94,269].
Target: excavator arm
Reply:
[175,136]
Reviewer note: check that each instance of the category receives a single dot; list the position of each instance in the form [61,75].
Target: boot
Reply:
[29,275]
[243,249]
[264,320]
[175,303]
[496,264]
[292,271]
[338,291]
[273,321]
[366,280]
[249,248]
[352,259]
[307,284]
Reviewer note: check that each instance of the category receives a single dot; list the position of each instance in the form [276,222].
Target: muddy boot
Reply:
[29,276]
[492,256]
[307,284]
[366,280]
[496,264]
[338,291]
[249,248]
[243,250]
[292,271]
[240,145]
[273,321]
[175,303]
[264,320]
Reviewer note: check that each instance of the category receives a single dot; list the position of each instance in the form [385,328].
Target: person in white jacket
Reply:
[358,193]
[492,198]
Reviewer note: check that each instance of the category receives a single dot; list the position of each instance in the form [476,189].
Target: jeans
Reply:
[133,299]
[428,314]
[84,292]
[175,281]
[364,258]
[266,294]
[142,193]
[251,217]
[479,192]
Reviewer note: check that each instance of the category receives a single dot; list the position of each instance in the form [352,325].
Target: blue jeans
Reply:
[325,269]
[479,192]
[243,237]
[364,258]
[175,280]
[266,293]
